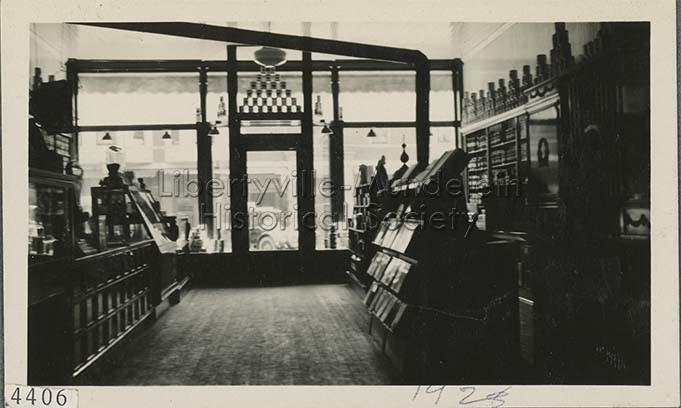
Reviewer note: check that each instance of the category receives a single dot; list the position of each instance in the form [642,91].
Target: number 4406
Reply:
[39,397]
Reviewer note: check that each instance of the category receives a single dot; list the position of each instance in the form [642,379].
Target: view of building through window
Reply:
[147,99]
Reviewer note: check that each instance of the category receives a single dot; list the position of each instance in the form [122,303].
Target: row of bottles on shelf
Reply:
[497,137]
[496,100]
[476,141]
[477,182]
[504,155]
[478,162]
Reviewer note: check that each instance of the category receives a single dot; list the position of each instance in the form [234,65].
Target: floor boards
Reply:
[309,334]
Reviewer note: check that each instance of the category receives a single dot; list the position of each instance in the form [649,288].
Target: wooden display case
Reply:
[81,306]
[427,312]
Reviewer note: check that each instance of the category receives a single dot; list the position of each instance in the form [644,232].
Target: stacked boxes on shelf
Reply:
[269,94]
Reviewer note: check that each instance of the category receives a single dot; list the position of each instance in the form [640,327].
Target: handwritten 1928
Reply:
[467,394]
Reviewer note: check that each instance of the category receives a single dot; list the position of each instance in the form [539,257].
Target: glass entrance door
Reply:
[272,200]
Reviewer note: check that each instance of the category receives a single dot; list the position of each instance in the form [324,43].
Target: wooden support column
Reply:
[238,197]
[72,81]
[422,110]
[204,159]
[457,90]
[336,153]
[305,167]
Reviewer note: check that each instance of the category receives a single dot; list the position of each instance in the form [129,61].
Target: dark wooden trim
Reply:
[336,151]
[204,154]
[237,164]
[271,141]
[422,111]
[305,168]
[72,80]
[457,91]
[270,116]
[397,124]
[93,66]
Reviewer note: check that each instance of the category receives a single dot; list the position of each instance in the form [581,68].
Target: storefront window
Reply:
[167,166]
[442,139]
[361,150]
[378,96]
[132,99]
[441,100]
[216,100]
[327,233]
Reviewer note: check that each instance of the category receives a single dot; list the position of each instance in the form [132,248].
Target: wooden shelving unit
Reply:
[361,233]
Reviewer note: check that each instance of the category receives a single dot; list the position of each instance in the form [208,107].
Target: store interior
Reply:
[339,203]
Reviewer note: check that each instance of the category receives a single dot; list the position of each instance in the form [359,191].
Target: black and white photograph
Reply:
[290,201]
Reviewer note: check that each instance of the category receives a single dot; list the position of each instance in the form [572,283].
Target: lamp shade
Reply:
[371,133]
[106,136]
[166,136]
[270,57]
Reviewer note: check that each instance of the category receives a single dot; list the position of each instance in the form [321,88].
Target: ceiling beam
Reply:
[260,38]
[414,59]
[191,65]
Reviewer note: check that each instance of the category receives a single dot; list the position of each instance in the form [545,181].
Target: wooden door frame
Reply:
[239,146]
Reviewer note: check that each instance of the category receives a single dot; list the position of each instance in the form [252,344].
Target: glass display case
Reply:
[116,220]
[51,204]
[126,215]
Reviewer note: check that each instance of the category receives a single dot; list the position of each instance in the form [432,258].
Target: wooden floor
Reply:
[310,334]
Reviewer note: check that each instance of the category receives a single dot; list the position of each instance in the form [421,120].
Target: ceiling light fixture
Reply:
[270,57]
[371,133]
[107,137]
[166,136]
